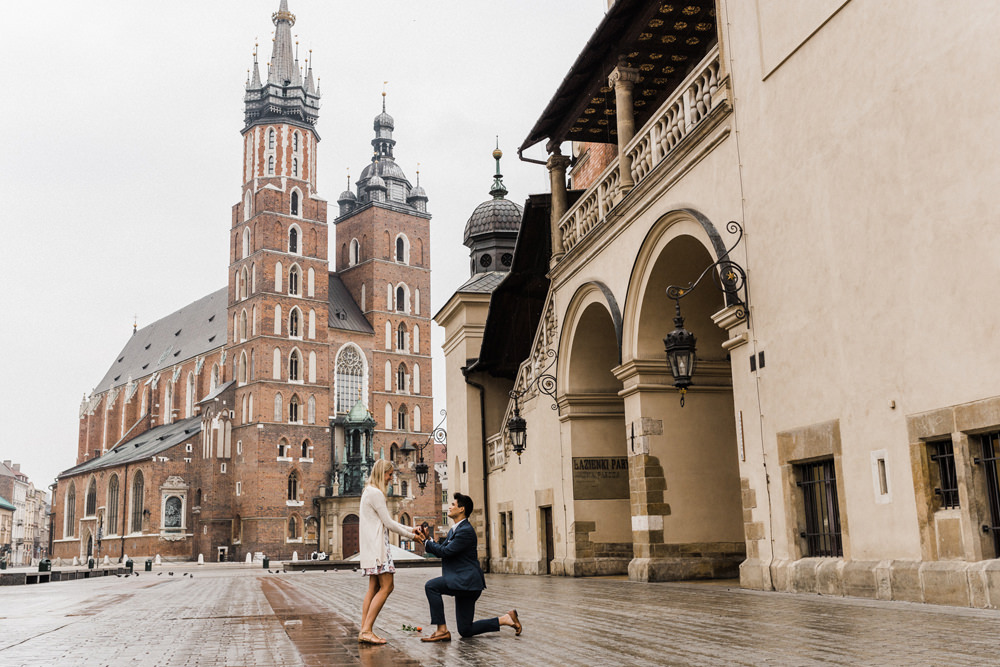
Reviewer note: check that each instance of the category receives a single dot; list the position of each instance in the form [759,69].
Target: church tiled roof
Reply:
[141,447]
[344,313]
[195,329]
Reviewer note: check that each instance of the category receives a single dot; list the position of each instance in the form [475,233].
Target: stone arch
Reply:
[704,245]
[681,456]
[593,427]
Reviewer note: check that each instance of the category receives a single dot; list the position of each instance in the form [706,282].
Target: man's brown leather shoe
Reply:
[443,637]
[517,623]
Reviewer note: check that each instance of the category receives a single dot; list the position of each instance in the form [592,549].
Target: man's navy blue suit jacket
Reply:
[459,564]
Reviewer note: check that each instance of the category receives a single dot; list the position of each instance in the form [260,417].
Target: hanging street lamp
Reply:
[517,427]
[438,436]
[730,279]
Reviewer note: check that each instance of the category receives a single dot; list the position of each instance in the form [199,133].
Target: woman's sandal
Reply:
[370,638]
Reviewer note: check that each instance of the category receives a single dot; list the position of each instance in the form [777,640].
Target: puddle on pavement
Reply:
[320,636]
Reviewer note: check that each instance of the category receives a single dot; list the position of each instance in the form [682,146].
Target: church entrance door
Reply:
[350,535]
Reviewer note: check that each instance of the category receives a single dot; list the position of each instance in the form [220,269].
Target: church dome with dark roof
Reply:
[384,120]
[346,195]
[493,215]
[387,169]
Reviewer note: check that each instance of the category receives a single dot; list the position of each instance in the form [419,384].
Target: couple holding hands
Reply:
[461,577]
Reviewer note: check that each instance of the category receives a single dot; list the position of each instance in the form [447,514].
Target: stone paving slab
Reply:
[248,616]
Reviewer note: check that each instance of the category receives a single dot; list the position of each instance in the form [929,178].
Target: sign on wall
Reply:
[600,478]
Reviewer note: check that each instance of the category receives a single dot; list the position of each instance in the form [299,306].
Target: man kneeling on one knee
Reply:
[461,577]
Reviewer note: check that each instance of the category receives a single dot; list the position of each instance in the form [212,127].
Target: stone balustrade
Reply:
[690,104]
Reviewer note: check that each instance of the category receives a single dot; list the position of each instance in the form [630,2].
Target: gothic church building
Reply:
[246,422]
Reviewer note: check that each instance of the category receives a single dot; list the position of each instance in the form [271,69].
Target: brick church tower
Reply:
[383,257]
[278,302]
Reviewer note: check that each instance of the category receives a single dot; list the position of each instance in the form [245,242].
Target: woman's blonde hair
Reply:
[377,478]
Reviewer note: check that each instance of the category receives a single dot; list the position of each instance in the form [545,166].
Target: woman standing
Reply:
[376,559]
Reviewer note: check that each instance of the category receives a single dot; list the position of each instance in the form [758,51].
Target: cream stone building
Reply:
[841,433]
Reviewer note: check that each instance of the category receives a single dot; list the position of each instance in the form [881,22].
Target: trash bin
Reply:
[129,565]
[45,565]
[3,565]
[149,565]
[267,562]
[90,563]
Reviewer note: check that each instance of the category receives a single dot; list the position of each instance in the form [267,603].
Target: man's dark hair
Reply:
[465,502]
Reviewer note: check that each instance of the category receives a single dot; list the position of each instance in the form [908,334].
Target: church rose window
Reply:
[172,513]
[350,375]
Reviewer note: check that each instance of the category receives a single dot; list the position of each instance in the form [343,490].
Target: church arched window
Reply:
[295,172]
[270,139]
[294,317]
[293,281]
[401,418]
[270,165]
[294,366]
[355,252]
[295,193]
[295,142]
[278,410]
[137,502]
[90,507]
[293,236]
[350,375]
[402,249]
[293,409]
[70,528]
[246,242]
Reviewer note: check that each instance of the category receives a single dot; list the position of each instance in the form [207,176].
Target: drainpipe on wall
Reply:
[482,436]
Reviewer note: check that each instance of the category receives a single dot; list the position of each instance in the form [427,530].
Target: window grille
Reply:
[991,463]
[943,453]
[818,482]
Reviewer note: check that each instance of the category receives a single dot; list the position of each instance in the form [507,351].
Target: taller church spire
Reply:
[284,96]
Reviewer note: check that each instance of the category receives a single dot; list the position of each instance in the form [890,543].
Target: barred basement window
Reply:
[943,453]
[818,481]
[991,462]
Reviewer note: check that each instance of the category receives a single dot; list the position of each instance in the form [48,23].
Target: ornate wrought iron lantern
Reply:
[517,427]
[730,279]
[438,436]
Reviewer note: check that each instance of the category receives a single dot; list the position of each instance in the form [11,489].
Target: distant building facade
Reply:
[220,429]
[27,533]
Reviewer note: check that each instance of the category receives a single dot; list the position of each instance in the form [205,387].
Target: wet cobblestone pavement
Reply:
[235,615]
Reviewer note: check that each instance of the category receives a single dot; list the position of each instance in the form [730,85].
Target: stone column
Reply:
[623,79]
[557,165]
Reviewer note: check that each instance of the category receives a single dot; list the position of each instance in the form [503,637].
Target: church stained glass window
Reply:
[350,378]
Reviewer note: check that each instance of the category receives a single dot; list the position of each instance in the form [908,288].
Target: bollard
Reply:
[201,559]
[157,560]
[106,561]
[249,558]
[295,556]
[76,562]
[149,565]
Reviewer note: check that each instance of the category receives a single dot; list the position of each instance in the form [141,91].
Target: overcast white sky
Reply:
[121,159]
